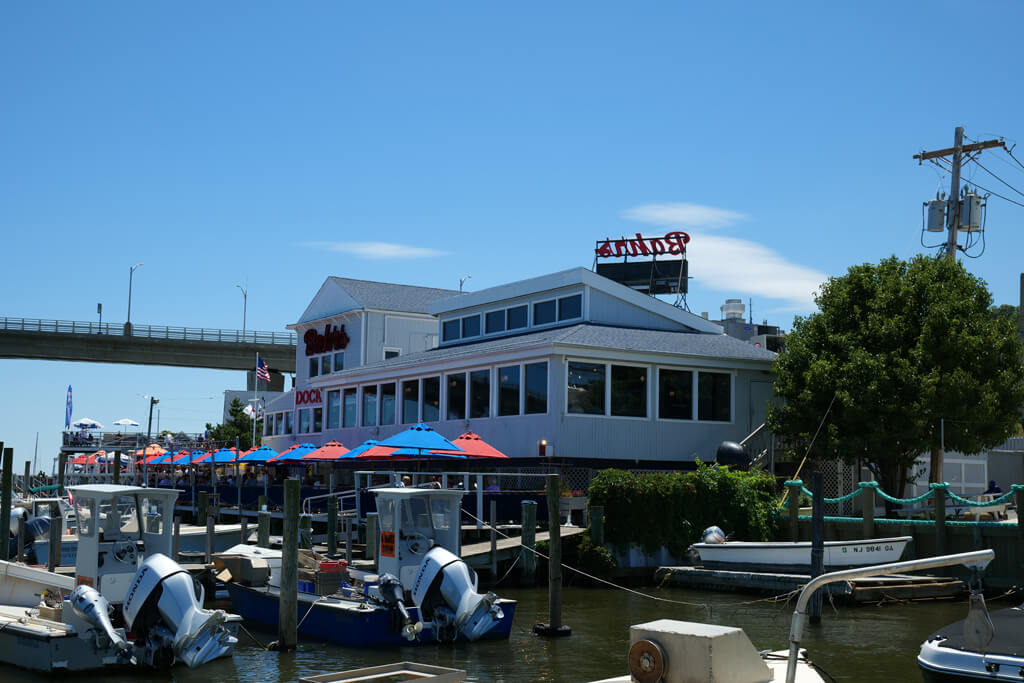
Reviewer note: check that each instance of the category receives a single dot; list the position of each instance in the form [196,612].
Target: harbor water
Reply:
[863,643]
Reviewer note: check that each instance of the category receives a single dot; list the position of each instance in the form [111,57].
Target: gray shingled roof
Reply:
[393,297]
[594,336]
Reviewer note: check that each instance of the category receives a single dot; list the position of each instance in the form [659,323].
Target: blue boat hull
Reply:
[345,622]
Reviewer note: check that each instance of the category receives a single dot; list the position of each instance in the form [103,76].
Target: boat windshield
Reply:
[85,510]
[119,518]
[152,515]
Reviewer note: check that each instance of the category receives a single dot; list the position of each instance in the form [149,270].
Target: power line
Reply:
[982,187]
[1000,179]
[1014,158]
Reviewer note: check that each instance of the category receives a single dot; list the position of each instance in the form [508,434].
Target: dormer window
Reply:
[517,317]
[570,307]
[471,326]
[544,312]
[450,330]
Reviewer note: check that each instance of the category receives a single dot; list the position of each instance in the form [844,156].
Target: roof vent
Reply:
[733,309]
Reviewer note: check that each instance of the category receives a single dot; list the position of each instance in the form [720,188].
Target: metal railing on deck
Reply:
[147,331]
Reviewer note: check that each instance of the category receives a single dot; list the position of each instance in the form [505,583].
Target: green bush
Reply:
[654,510]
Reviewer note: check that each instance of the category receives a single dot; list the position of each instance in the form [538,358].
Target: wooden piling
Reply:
[494,540]
[204,504]
[28,478]
[1020,528]
[332,525]
[597,525]
[554,627]
[527,554]
[244,522]
[62,465]
[261,503]
[371,536]
[306,531]
[817,541]
[176,540]
[6,495]
[940,521]
[117,468]
[868,511]
[287,616]
[21,538]
[263,529]
[794,508]
[211,530]
[349,538]
[56,533]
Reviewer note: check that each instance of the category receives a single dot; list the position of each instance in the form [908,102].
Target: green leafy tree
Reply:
[238,426]
[897,349]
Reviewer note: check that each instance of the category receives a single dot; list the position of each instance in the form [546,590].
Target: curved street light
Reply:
[131,274]
[245,305]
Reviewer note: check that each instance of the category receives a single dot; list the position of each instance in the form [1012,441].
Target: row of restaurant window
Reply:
[592,389]
[514,318]
[621,391]
[335,362]
[519,390]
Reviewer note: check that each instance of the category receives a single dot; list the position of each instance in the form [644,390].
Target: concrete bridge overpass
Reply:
[192,347]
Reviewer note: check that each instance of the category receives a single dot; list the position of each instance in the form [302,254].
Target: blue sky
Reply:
[274,144]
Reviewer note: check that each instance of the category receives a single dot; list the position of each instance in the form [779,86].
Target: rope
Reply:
[309,611]
[932,488]
[703,605]
[810,446]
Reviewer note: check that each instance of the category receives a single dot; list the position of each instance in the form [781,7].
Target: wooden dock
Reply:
[478,555]
[871,589]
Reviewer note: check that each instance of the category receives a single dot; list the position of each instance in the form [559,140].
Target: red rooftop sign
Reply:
[333,339]
[673,243]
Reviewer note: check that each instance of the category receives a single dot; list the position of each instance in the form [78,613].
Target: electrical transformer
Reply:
[935,220]
[970,213]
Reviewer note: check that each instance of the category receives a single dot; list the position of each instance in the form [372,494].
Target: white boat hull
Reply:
[21,585]
[796,557]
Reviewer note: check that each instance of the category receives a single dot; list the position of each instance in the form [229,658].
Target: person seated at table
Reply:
[165,482]
[993,487]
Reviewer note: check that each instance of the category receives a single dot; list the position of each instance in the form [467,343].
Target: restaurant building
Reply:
[569,365]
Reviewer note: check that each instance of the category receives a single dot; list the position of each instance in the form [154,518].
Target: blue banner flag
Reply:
[67,410]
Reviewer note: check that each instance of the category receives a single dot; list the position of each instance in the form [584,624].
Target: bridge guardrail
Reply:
[148,331]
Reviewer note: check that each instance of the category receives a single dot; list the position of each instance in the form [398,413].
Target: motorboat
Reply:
[980,647]
[675,651]
[128,604]
[795,558]
[420,592]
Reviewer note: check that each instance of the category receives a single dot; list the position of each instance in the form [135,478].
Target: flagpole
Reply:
[255,385]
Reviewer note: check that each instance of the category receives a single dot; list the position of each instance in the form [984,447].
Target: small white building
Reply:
[570,365]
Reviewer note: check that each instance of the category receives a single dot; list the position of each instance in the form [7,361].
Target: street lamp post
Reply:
[245,305]
[131,275]
[149,430]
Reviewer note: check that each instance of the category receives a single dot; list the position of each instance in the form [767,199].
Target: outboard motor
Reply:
[93,608]
[389,592]
[35,527]
[446,596]
[163,608]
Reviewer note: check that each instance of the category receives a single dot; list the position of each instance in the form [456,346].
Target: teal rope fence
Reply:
[932,488]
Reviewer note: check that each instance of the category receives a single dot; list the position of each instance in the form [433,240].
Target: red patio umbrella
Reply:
[332,450]
[379,453]
[473,446]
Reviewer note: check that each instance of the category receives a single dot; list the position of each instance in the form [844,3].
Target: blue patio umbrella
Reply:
[365,446]
[222,456]
[184,457]
[163,459]
[260,456]
[293,453]
[419,438]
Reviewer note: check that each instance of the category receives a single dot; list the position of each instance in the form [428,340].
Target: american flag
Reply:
[261,369]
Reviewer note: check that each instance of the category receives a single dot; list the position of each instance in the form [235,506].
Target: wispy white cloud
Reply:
[732,265]
[684,215]
[377,251]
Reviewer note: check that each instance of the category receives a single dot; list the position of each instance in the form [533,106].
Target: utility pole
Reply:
[956,151]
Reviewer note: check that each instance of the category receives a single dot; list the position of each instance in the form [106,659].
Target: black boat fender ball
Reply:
[731,453]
